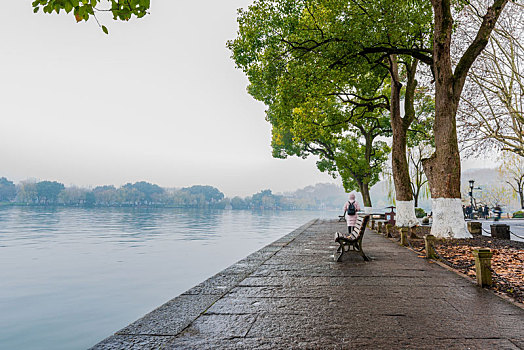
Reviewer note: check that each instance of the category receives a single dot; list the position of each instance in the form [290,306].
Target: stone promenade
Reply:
[291,294]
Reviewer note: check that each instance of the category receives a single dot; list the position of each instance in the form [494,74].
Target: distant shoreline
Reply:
[145,194]
[153,206]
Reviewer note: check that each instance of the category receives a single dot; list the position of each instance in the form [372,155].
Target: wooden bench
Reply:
[354,240]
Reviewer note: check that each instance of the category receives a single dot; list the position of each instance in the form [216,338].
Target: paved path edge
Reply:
[179,312]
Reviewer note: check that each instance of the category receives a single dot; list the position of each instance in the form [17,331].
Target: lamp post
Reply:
[472,201]
[471,185]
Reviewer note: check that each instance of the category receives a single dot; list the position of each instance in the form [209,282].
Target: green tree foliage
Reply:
[238,203]
[330,45]
[265,200]
[344,137]
[320,69]
[90,199]
[26,192]
[420,213]
[318,196]
[105,195]
[337,34]
[84,9]
[129,195]
[73,196]
[7,190]
[197,197]
[358,164]
[340,35]
[354,154]
[208,193]
[48,191]
[143,192]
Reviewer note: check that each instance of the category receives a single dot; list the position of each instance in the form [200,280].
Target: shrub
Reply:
[420,213]
[518,214]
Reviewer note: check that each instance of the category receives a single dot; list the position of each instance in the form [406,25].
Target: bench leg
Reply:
[340,251]
[338,255]
[358,247]
[364,256]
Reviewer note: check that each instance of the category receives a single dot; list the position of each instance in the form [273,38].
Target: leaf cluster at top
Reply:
[84,9]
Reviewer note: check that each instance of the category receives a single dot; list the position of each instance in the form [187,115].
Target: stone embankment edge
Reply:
[177,314]
[466,277]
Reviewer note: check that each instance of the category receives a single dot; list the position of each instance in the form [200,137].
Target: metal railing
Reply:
[413,248]
[511,232]
[514,234]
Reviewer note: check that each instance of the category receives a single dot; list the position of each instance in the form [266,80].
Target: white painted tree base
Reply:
[448,219]
[368,210]
[406,214]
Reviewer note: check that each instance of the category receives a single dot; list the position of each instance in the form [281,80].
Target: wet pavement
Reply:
[291,294]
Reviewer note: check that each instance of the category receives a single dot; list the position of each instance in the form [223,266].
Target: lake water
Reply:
[71,277]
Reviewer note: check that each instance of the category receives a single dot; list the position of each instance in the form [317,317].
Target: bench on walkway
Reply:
[353,240]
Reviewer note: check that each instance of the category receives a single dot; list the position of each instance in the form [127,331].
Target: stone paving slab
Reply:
[380,343]
[172,317]
[291,294]
[342,293]
[218,285]
[329,307]
[344,281]
[134,342]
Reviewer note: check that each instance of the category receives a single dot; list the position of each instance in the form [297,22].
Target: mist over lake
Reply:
[73,276]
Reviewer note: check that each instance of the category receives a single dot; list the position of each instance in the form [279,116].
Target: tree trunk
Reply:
[364,185]
[443,167]
[364,189]
[399,162]
[521,194]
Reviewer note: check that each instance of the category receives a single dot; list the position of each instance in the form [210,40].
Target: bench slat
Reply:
[359,228]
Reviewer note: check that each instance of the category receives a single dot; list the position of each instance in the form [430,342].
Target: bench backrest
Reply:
[360,227]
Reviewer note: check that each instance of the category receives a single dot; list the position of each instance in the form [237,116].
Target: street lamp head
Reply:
[471,183]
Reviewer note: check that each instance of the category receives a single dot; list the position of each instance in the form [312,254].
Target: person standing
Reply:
[486,211]
[498,212]
[350,209]
[469,211]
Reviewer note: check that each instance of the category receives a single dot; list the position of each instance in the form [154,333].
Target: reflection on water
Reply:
[71,276]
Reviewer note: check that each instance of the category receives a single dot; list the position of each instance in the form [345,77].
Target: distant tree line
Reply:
[145,194]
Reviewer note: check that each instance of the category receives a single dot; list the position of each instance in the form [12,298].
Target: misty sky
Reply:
[159,100]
